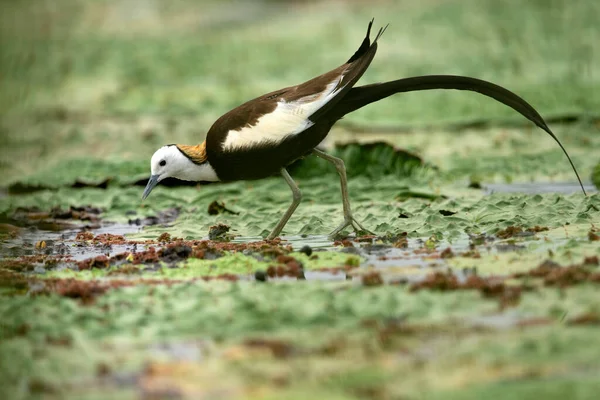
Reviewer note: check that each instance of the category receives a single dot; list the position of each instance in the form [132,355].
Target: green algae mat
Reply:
[482,277]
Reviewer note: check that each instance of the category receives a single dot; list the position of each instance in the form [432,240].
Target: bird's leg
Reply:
[296,197]
[348,218]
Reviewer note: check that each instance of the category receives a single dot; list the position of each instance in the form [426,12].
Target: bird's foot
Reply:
[349,220]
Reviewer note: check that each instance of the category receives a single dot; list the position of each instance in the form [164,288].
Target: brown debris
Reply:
[365,238]
[86,291]
[589,318]
[53,220]
[537,228]
[593,236]
[447,253]
[164,237]
[591,260]
[109,238]
[344,242]
[38,386]
[28,263]
[218,207]
[424,250]
[568,276]
[175,251]
[172,252]
[495,288]
[85,213]
[26,217]
[540,271]
[126,269]
[488,287]
[471,254]
[387,330]
[539,321]
[280,271]
[218,231]
[8,230]
[288,266]
[556,275]
[103,238]
[333,347]
[265,247]
[334,270]
[84,236]
[149,256]
[278,348]
[221,277]
[293,267]
[59,341]
[437,281]
[96,262]
[198,253]
[372,278]
[402,242]
[271,248]
[512,231]
[179,250]
[103,370]
[509,232]
[13,280]
[282,259]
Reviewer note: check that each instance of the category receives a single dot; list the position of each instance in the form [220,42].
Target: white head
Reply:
[173,161]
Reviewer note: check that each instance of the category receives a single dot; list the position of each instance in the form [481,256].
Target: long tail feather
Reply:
[361,96]
[364,46]
[355,68]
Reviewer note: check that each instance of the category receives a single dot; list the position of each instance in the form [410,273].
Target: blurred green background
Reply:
[115,79]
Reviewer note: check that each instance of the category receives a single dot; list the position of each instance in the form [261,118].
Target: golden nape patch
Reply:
[197,153]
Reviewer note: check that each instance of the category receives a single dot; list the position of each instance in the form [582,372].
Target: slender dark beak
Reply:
[151,184]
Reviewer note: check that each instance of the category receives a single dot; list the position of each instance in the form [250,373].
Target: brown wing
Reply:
[289,111]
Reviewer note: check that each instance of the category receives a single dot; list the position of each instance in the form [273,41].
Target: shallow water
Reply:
[412,262]
[538,188]
[64,243]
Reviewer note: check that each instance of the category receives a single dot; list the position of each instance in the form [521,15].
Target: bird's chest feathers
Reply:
[288,118]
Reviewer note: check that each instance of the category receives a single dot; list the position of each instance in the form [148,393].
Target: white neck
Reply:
[195,172]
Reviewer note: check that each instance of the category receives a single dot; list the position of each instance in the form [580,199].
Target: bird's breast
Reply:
[265,158]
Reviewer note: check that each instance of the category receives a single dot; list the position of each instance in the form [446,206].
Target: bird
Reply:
[263,136]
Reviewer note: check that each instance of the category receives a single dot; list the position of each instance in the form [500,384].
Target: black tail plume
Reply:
[364,46]
[361,96]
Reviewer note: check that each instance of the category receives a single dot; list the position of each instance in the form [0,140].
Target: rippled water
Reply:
[373,252]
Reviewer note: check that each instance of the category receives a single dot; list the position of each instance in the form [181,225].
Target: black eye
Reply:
[162,163]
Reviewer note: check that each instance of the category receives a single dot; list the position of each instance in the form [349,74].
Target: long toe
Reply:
[356,226]
[340,228]
[359,229]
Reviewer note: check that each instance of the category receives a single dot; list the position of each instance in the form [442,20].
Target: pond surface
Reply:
[412,260]
[536,188]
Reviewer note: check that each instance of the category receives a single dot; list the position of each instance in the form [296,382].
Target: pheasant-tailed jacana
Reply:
[262,137]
